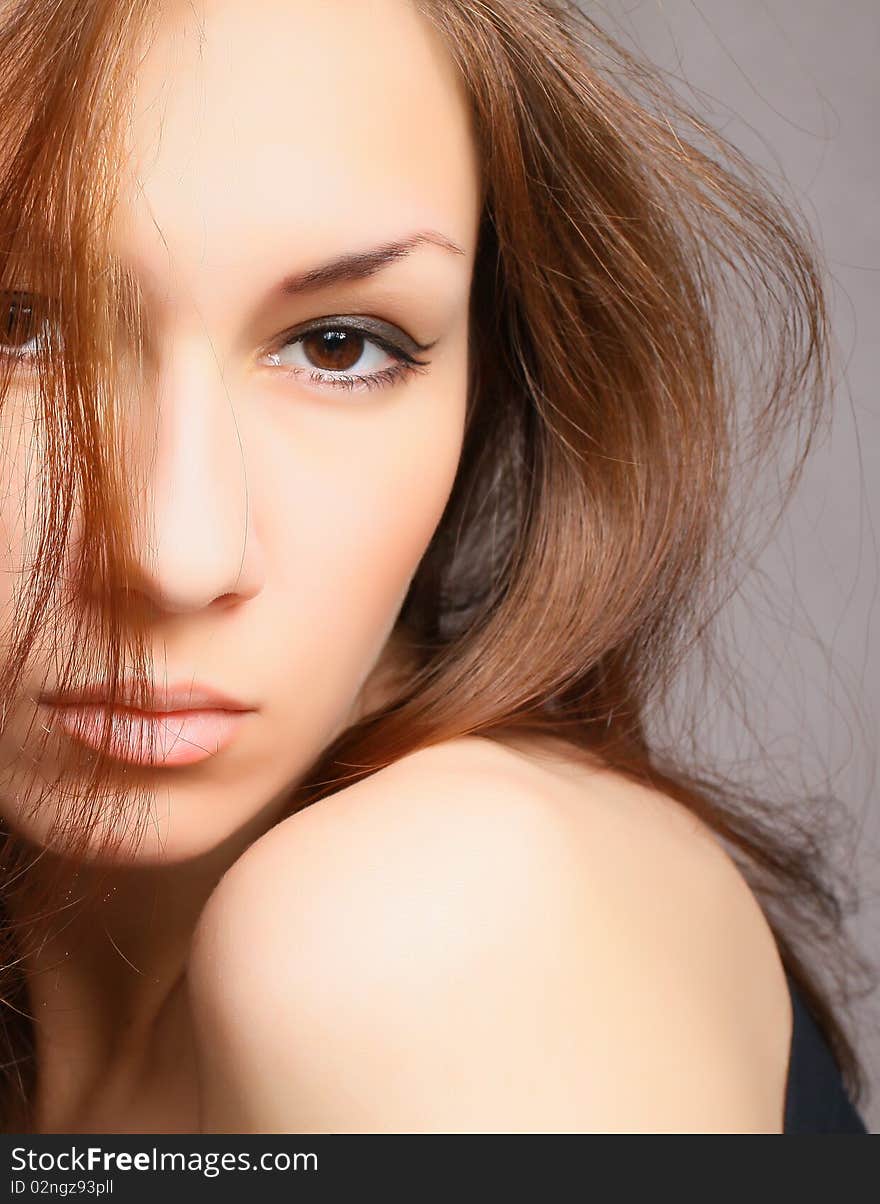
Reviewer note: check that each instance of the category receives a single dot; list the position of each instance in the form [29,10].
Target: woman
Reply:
[367,365]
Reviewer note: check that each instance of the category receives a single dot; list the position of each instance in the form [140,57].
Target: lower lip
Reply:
[165,738]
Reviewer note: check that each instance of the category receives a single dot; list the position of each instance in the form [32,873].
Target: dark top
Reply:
[815,1097]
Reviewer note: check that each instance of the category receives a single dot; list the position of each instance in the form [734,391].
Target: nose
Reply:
[200,540]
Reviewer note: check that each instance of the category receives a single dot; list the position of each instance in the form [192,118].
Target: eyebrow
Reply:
[357,265]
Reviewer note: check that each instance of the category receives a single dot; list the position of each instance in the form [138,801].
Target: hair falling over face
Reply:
[647,321]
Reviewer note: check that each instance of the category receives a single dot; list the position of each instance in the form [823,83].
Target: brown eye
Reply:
[342,355]
[22,317]
[333,350]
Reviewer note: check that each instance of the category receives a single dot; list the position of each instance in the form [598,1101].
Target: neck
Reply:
[106,974]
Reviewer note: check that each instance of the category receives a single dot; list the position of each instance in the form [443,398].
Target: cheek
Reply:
[361,503]
[22,493]
[364,515]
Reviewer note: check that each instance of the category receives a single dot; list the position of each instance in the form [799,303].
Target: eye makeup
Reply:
[347,333]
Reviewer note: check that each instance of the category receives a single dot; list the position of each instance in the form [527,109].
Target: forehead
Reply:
[315,119]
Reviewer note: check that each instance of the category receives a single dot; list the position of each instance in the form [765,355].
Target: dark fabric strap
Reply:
[815,1097]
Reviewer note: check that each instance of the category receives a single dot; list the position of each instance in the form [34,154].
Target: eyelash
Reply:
[405,366]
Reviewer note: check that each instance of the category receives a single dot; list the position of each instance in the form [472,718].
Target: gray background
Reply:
[794,84]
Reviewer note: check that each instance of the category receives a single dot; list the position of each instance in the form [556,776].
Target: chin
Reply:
[144,823]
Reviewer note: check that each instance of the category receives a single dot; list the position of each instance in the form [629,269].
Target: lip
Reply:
[160,738]
[181,724]
[182,696]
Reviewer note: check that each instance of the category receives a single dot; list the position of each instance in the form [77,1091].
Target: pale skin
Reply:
[479,937]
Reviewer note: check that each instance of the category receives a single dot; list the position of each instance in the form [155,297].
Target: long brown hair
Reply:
[648,323]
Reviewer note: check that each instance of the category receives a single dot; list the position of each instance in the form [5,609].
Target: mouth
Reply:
[184,725]
[182,696]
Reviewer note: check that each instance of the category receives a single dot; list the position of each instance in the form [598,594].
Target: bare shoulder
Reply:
[488,937]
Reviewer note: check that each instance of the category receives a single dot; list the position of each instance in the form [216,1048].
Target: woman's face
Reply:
[288,513]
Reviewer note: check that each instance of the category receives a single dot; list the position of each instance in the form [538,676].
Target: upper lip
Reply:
[181,696]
